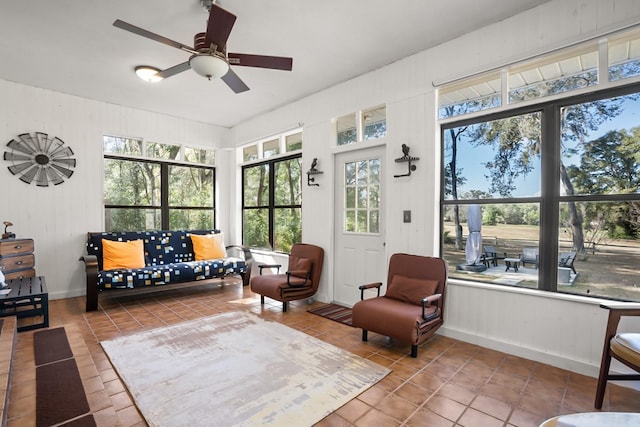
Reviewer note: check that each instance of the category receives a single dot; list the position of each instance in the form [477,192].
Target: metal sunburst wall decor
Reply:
[40,158]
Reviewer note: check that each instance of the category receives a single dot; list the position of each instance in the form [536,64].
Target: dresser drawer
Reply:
[20,274]
[18,262]
[15,247]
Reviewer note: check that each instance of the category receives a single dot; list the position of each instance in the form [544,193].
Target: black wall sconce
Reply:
[406,158]
[313,171]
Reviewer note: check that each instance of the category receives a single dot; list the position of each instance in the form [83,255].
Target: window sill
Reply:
[531,292]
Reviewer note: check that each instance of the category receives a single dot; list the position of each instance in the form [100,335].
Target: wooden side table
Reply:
[27,297]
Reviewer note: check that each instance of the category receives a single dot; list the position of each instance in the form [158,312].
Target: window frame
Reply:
[164,206]
[271,207]
[550,198]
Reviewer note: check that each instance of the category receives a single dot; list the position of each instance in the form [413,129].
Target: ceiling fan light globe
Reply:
[148,74]
[209,66]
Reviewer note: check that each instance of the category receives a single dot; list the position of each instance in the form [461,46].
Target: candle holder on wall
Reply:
[313,171]
[406,158]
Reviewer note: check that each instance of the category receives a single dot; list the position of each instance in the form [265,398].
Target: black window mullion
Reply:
[164,195]
[549,205]
[272,202]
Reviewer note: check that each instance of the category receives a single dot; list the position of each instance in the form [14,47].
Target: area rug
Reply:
[334,312]
[237,369]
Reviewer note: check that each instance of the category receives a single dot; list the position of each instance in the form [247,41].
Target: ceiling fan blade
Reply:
[261,61]
[153,36]
[219,26]
[172,71]
[233,81]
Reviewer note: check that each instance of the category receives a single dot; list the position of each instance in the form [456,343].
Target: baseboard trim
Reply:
[558,361]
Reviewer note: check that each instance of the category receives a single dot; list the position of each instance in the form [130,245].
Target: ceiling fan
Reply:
[209,56]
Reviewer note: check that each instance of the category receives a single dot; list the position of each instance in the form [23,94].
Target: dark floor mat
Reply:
[51,345]
[86,421]
[60,395]
[334,312]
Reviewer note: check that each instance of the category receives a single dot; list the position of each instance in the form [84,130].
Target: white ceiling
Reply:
[71,46]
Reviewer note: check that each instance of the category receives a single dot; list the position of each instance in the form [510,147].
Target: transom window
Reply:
[361,126]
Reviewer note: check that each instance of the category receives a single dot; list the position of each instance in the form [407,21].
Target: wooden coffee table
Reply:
[27,297]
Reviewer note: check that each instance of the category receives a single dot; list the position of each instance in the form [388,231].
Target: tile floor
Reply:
[451,383]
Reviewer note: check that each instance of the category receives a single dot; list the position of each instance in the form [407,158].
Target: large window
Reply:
[142,192]
[555,186]
[272,203]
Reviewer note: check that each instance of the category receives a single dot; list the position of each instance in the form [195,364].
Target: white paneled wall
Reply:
[563,331]
[58,217]
[559,330]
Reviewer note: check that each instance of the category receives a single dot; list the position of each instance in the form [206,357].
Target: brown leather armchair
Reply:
[624,347]
[412,309]
[300,281]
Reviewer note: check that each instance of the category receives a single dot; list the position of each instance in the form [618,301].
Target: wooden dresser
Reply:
[16,258]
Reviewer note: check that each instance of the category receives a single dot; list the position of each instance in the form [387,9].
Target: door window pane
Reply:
[362,196]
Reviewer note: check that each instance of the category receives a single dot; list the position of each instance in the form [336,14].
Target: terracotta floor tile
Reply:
[473,418]
[445,407]
[449,382]
[426,418]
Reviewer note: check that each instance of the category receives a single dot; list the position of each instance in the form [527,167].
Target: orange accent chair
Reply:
[412,309]
[624,346]
[300,281]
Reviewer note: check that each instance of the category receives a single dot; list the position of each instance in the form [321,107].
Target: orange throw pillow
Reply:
[122,255]
[208,246]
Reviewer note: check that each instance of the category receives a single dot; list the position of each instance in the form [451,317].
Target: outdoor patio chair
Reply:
[491,257]
[412,309]
[530,255]
[566,259]
[624,346]
[300,281]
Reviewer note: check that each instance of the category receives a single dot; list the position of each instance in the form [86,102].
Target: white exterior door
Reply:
[359,223]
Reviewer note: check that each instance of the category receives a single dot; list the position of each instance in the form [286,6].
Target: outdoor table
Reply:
[512,263]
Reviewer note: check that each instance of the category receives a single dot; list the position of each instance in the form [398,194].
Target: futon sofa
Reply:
[158,260]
